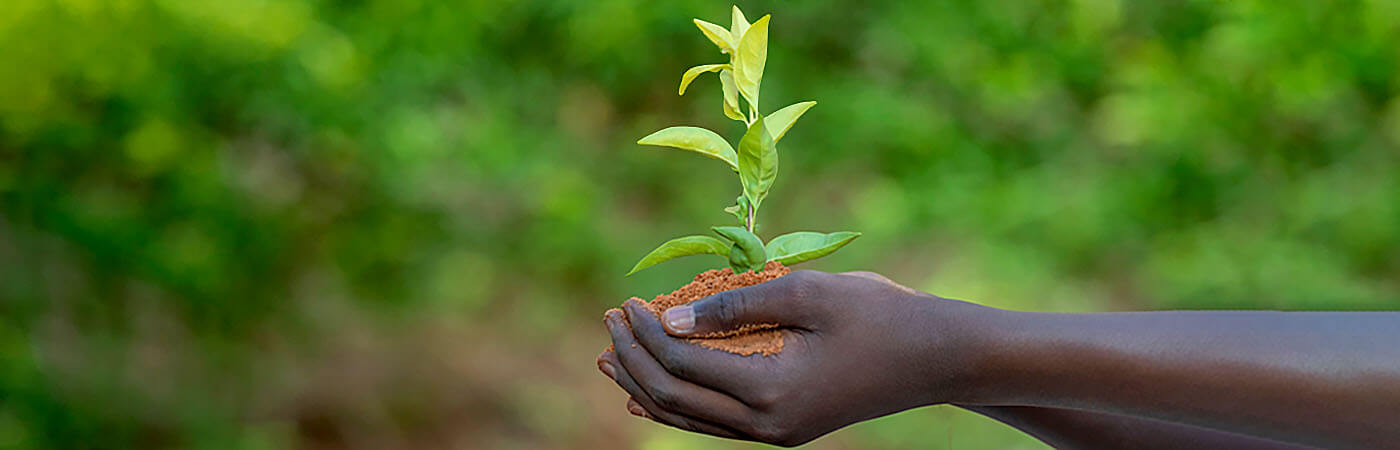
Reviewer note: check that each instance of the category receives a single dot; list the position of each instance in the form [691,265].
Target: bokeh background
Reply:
[396,223]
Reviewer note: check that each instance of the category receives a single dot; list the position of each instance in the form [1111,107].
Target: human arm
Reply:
[1318,378]
[1059,428]
[859,348]
[1078,429]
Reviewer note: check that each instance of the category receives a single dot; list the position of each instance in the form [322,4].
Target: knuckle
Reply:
[728,306]
[805,285]
[805,275]
[665,398]
[682,371]
[674,361]
[765,400]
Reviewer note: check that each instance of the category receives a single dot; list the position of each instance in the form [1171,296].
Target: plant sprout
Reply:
[756,162]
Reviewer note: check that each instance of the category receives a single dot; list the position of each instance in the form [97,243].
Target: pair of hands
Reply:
[857,346]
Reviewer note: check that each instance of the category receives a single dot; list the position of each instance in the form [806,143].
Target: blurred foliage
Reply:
[375,223]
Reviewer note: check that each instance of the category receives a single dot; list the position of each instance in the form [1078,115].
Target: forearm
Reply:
[1075,429]
[1326,379]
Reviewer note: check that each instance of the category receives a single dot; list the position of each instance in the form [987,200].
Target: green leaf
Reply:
[781,120]
[749,59]
[793,248]
[731,95]
[695,139]
[716,34]
[683,246]
[740,209]
[690,75]
[758,162]
[747,252]
[737,25]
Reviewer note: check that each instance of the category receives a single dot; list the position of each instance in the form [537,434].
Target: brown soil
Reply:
[763,339]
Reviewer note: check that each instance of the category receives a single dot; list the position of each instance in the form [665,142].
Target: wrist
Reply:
[962,341]
[982,340]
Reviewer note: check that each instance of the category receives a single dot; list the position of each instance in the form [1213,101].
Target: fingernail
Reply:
[680,319]
[636,409]
[607,369]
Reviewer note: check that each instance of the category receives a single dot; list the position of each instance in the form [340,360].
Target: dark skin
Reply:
[859,346]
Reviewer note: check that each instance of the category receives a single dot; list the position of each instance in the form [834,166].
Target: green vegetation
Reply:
[756,162]
[308,223]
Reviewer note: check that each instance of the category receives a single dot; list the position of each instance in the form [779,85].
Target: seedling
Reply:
[756,162]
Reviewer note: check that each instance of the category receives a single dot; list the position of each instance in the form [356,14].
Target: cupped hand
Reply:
[857,346]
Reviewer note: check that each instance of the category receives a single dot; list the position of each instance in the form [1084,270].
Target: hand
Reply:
[857,346]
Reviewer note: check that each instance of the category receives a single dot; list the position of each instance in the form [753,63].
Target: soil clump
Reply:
[765,339]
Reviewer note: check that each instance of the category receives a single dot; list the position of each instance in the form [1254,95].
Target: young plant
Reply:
[756,162]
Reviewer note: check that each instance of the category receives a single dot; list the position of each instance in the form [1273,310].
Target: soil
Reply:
[750,339]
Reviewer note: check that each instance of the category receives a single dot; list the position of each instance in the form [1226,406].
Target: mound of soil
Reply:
[763,339]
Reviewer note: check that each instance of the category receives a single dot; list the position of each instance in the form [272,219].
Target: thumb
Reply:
[773,302]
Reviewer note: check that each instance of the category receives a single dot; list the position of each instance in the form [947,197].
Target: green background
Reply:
[380,223]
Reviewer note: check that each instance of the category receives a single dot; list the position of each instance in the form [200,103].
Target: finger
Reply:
[714,369]
[637,410]
[869,275]
[780,301]
[649,409]
[882,279]
[667,391]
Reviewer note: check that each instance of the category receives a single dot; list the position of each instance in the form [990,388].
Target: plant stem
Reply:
[748,218]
